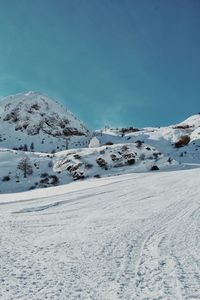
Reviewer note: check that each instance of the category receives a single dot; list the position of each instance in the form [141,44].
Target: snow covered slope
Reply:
[33,127]
[21,171]
[180,141]
[34,122]
[125,237]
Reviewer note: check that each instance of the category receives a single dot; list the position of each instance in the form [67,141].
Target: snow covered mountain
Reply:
[36,133]
[131,236]
[181,141]
[33,121]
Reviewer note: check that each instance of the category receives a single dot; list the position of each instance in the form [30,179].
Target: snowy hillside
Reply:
[134,236]
[36,133]
[130,236]
[34,122]
[180,141]
[21,171]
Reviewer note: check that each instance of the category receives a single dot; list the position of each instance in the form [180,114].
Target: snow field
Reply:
[132,236]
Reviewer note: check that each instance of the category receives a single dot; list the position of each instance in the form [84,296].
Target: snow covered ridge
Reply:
[33,121]
[36,133]
[180,141]
[21,171]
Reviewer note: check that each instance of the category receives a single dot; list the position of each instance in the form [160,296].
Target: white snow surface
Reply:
[94,143]
[77,164]
[193,121]
[133,236]
[162,138]
[34,118]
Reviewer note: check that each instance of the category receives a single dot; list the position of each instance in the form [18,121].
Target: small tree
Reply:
[139,144]
[25,166]
[50,164]
[25,148]
[67,140]
[32,146]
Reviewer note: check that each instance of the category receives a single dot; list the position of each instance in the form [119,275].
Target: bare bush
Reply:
[25,166]
[183,141]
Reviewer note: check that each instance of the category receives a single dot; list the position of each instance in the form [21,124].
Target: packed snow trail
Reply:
[127,237]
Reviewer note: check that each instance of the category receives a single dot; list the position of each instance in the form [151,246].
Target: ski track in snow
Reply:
[130,237]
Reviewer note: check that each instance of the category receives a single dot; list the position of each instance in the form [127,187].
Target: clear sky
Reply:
[117,62]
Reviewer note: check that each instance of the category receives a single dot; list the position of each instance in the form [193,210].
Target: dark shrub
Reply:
[101,162]
[139,144]
[88,166]
[181,127]
[124,148]
[169,160]
[44,180]
[154,168]
[77,156]
[183,141]
[54,179]
[128,130]
[6,178]
[43,175]
[25,147]
[109,143]
[50,164]
[32,187]
[131,161]
[102,152]
[97,176]
[156,155]
[49,180]
[114,157]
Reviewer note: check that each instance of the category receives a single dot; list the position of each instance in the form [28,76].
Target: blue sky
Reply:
[130,62]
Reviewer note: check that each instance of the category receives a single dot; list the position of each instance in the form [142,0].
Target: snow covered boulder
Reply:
[94,143]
